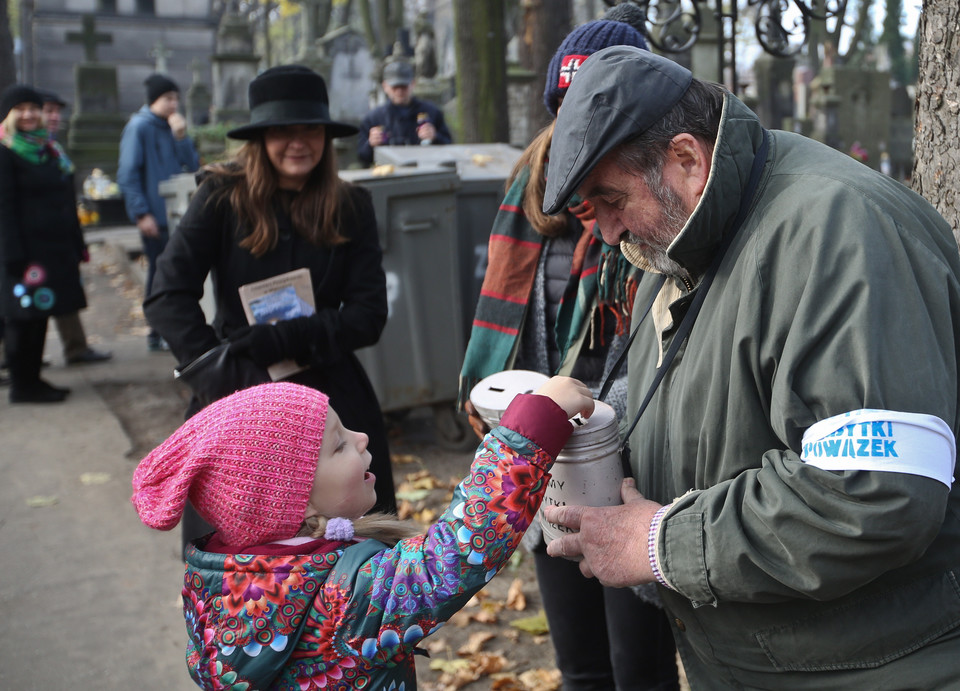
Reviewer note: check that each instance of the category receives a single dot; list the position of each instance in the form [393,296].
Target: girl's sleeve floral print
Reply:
[352,619]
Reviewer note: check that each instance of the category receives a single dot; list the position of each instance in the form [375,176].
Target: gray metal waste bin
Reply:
[417,360]
[482,170]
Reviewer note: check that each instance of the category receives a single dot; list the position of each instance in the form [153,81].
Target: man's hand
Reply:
[178,124]
[147,225]
[612,540]
[427,131]
[376,137]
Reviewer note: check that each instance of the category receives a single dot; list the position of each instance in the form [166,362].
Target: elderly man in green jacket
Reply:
[795,464]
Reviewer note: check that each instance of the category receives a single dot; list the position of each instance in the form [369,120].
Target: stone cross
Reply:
[196,69]
[89,38]
[160,53]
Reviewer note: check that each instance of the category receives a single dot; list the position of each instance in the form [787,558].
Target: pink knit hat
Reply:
[246,462]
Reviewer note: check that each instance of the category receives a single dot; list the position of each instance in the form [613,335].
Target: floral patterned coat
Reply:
[350,616]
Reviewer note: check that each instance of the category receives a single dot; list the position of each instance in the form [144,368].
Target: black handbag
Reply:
[218,373]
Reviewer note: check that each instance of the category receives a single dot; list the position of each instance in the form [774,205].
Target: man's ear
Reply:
[688,161]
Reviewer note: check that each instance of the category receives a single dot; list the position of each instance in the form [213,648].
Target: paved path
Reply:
[89,596]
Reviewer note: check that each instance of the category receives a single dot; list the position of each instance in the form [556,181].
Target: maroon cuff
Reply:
[540,420]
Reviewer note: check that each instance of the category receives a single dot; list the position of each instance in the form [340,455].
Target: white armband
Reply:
[883,440]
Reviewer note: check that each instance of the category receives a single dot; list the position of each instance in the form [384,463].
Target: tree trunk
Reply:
[481,71]
[936,154]
[543,26]
[8,70]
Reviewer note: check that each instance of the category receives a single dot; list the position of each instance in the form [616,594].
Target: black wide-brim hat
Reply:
[289,95]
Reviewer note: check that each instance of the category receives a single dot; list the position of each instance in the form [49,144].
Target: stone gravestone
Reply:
[850,109]
[234,67]
[198,97]
[428,87]
[900,143]
[774,80]
[93,136]
[347,66]
[348,79]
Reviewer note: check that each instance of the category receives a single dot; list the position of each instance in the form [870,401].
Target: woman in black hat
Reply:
[41,244]
[278,206]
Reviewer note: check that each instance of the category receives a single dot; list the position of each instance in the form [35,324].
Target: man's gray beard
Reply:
[674,218]
[657,258]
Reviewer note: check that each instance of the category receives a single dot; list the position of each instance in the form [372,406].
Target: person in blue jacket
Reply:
[404,119]
[154,147]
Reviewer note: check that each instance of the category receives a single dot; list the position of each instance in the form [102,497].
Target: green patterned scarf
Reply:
[35,147]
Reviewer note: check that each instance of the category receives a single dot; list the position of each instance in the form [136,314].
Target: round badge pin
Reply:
[35,275]
[44,298]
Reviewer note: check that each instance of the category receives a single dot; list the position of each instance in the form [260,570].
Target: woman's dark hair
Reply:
[314,212]
[698,113]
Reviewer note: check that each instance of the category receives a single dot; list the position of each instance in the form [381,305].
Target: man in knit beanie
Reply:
[245,462]
[154,146]
[621,25]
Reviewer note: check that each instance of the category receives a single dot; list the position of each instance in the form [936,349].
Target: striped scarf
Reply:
[602,285]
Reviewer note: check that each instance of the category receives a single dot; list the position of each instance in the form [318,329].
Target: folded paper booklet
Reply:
[286,296]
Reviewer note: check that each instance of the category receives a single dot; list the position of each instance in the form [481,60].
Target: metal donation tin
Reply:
[493,394]
[587,471]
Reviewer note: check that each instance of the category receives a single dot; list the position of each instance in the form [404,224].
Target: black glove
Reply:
[298,338]
[262,343]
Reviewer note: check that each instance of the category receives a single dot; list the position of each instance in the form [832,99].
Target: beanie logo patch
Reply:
[568,69]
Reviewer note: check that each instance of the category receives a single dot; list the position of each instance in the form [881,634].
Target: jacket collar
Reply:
[153,118]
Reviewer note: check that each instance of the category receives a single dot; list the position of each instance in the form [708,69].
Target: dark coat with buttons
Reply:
[41,244]
[349,289]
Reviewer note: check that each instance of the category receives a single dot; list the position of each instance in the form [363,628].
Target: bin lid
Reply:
[491,395]
[471,161]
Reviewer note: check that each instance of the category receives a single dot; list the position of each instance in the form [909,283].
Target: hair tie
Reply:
[339,529]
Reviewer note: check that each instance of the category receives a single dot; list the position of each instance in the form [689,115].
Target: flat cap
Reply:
[619,93]
[398,72]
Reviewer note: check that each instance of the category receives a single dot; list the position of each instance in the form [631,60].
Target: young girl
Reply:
[299,589]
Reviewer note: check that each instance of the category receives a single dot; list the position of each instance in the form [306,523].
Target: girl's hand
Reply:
[570,394]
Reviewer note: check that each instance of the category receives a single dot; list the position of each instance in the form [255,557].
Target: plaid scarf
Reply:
[35,147]
[602,284]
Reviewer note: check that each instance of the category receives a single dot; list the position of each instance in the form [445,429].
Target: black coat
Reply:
[349,289]
[38,228]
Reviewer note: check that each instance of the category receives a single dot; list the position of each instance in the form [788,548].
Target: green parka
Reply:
[841,291]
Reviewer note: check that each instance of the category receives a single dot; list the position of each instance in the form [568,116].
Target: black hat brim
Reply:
[253,130]
[285,113]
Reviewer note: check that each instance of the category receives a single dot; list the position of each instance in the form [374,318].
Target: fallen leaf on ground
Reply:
[541,679]
[425,516]
[94,478]
[422,479]
[536,625]
[449,666]
[42,501]
[412,495]
[516,600]
[405,458]
[475,643]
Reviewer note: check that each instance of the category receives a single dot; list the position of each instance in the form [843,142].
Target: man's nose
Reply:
[610,228]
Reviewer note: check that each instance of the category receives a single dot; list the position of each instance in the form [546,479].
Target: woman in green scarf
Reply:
[41,244]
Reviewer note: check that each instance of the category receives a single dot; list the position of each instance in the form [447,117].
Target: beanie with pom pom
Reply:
[580,44]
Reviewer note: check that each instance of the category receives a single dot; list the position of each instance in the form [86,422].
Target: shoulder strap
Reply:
[615,370]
